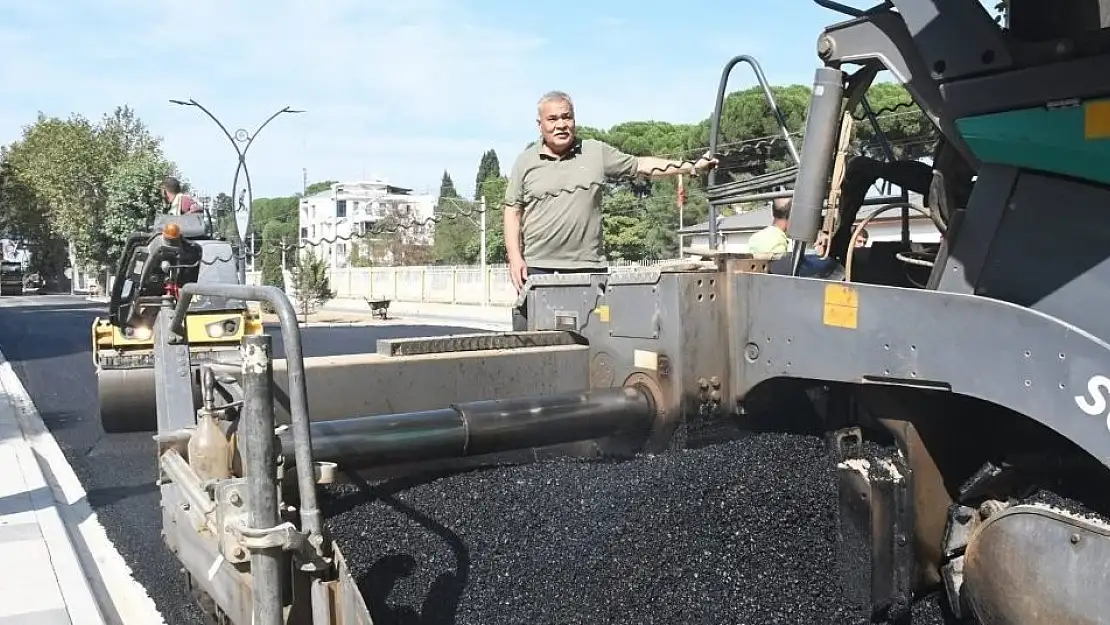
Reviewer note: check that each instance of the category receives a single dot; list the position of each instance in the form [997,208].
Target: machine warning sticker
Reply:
[841,307]
[643,359]
[1096,119]
[602,314]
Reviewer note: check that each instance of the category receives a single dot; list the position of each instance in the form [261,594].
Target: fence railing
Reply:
[452,284]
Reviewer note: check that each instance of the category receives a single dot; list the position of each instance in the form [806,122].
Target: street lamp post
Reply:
[241,136]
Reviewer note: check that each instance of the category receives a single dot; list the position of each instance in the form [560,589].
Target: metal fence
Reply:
[439,284]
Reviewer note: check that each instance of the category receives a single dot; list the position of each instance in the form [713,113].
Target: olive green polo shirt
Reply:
[561,197]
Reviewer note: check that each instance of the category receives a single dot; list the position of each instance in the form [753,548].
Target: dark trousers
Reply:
[520,314]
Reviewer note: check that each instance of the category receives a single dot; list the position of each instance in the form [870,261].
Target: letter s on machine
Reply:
[1097,399]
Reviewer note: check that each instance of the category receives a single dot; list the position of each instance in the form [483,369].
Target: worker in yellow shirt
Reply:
[772,239]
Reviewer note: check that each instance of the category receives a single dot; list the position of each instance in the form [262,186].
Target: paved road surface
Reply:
[47,340]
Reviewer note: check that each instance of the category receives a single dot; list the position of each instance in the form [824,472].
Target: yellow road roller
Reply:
[178,250]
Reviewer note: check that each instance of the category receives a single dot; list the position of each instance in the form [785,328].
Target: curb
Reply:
[93,575]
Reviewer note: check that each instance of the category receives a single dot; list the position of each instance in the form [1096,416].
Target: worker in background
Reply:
[861,240]
[180,203]
[553,197]
[773,239]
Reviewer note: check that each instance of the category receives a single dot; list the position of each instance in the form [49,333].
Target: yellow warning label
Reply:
[1096,119]
[602,314]
[841,307]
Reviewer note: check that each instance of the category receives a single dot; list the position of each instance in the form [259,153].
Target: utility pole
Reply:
[241,136]
[485,272]
[681,200]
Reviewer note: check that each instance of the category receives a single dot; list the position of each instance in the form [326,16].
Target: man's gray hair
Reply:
[555,96]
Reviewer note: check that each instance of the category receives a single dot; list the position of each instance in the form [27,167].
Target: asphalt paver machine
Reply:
[984,358]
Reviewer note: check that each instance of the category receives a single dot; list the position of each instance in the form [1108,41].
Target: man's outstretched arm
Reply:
[656,167]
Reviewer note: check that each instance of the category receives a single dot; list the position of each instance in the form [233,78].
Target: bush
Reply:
[310,284]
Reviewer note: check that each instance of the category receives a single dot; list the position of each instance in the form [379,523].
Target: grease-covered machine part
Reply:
[1038,563]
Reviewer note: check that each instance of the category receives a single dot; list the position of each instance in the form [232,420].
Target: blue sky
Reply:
[399,89]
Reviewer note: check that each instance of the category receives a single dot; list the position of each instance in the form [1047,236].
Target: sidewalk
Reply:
[492,318]
[62,569]
[44,583]
[347,311]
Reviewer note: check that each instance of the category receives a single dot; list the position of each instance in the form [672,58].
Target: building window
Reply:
[340,209]
[304,233]
[354,207]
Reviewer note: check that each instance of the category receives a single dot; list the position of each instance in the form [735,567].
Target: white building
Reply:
[329,219]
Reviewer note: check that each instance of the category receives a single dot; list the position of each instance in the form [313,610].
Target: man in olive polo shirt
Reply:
[553,196]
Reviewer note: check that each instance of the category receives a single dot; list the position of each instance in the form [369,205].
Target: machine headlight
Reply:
[220,329]
[139,334]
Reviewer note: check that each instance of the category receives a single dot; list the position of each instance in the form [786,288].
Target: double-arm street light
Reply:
[241,136]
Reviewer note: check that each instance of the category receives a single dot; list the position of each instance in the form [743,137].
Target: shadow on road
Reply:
[49,331]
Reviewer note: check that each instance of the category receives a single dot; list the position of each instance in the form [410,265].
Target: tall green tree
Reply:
[23,217]
[446,191]
[69,164]
[270,253]
[493,189]
[133,196]
[224,209]
[489,167]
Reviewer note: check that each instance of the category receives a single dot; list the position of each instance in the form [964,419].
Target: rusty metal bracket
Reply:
[284,536]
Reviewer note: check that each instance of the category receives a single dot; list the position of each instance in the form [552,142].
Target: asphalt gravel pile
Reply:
[735,532]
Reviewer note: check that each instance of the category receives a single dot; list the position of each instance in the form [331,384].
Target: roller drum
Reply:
[128,400]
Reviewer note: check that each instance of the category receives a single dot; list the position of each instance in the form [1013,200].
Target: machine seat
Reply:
[193,226]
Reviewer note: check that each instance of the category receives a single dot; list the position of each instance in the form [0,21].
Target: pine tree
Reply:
[489,167]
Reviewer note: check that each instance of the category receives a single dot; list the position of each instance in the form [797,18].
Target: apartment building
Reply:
[353,212]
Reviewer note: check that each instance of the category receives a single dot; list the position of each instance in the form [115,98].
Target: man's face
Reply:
[556,124]
[861,241]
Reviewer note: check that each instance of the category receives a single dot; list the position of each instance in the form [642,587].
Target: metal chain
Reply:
[886,111]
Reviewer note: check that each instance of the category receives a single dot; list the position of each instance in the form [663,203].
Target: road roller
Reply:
[154,264]
[962,388]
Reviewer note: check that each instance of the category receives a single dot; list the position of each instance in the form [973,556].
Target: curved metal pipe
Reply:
[715,125]
[298,389]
